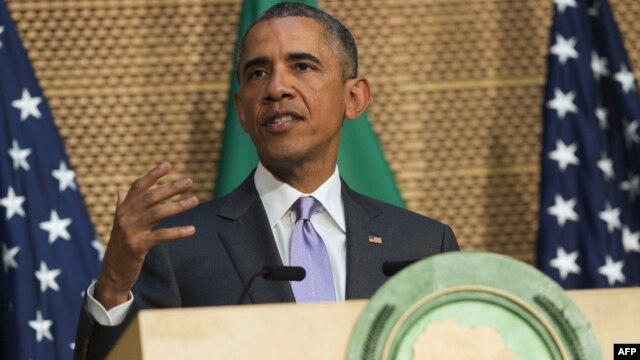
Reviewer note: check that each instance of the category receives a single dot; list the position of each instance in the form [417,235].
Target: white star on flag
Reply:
[65,177]
[27,105]
[625,78]
[9,257]
[601,114]
[598,66]
[631,132]
[41,326]
[47,277]
[563,4]
[13,203]
[606,165]
[1,31]
[564,154]
[632,186]
[612,270]
[97,244]
[611,217]
[56,227]
[590,164]
[563,103]
[565,263]
[563,210]
[564,48]
[19,156]
[630,241]
[46,258]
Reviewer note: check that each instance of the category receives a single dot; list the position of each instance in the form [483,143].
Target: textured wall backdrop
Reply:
[457,90]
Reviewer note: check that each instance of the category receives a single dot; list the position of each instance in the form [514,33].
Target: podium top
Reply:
[317,331]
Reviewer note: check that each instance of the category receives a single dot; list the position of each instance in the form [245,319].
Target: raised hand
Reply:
[132,236]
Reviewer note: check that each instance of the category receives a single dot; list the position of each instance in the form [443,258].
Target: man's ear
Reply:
[358,97]
[240,111]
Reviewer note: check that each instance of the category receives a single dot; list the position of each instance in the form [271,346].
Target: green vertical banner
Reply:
[362,164]
[360,159]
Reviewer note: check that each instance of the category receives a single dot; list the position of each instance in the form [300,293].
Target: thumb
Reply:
[122,194]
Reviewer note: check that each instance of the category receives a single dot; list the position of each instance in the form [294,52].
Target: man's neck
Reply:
[304,178]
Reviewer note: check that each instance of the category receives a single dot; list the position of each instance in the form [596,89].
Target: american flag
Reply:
[50,252]
[590,191]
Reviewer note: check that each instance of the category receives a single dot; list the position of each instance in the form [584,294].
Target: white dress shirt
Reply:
[277,198]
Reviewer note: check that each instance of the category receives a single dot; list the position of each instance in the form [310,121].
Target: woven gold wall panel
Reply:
[457,90]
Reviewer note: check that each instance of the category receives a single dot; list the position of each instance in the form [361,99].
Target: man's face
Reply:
[292,96]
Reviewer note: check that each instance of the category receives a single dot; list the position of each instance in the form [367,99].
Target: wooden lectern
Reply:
[317,331]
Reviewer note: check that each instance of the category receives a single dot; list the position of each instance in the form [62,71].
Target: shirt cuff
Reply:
[113,317]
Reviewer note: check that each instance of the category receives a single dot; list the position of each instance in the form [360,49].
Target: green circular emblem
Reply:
[469,305]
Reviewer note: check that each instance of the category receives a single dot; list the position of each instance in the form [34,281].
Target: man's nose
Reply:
[279,87]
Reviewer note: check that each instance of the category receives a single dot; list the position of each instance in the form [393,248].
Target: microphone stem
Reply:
[245,292]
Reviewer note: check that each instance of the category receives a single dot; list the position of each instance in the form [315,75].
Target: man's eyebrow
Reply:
[303,56]
[294,56]
[259,61]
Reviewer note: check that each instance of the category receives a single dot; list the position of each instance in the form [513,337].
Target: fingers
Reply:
[137,213]
[167,191]
[160,212]
[169,234]
[141,197]
[142,185]
[122,194]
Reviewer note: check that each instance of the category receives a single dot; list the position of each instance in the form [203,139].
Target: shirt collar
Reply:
[278,197]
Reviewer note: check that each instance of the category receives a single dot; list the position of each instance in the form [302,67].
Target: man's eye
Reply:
[257,74]
[303,67]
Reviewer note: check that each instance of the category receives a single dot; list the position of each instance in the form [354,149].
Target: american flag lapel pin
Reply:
[374,239]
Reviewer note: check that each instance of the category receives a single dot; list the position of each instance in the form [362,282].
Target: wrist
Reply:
[108,295]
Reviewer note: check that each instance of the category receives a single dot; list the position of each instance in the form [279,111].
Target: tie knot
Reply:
[305,206]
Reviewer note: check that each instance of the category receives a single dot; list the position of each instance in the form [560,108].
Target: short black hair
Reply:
[335,33]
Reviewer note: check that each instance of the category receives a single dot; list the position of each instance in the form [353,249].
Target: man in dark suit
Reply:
[298,81]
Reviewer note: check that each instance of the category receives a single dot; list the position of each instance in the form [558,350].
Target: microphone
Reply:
[284,273]
[390,268]
[274,273]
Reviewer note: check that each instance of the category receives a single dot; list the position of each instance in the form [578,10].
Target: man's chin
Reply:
[283,157]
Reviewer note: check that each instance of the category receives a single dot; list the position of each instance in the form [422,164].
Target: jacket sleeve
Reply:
[93,341]
[155,288]
[449,242]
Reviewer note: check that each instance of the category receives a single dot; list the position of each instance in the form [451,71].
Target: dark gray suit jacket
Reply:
[233,240]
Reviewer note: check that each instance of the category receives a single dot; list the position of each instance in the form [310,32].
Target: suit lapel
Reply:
[364,258]
[250,243]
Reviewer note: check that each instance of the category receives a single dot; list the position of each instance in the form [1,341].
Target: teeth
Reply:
[282,119]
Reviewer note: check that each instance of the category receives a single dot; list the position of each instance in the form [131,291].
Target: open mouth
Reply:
[281,120]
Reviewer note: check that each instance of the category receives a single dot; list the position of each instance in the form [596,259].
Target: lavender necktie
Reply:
[308,250]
